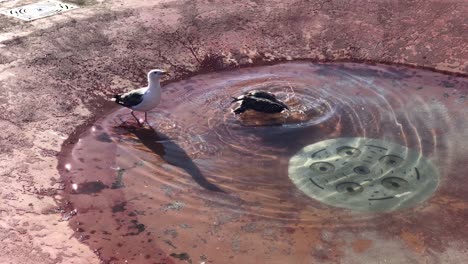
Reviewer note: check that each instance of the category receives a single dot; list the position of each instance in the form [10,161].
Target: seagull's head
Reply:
[155,74]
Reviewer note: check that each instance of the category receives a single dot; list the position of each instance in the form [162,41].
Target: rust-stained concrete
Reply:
[55,72]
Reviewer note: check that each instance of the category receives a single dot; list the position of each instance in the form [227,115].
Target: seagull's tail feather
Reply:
[117,99]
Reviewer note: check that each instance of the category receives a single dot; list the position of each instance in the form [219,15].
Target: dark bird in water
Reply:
[260,101]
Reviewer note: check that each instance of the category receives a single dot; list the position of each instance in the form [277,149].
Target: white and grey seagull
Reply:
[143,99]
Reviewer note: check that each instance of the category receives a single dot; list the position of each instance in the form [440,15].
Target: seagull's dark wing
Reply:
[282,104]
[131,98]
[262,94]
[268,96]
[262,105]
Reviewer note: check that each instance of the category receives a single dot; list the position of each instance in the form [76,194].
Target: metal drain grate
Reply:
[363,174]
[39,10]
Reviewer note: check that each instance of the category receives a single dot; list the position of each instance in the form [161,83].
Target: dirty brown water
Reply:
[204,185]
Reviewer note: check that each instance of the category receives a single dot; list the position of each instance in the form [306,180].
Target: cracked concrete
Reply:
[55,72]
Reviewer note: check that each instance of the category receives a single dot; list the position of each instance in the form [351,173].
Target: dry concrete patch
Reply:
[56,72]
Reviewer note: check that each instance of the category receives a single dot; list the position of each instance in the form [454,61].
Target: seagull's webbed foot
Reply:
[146,120]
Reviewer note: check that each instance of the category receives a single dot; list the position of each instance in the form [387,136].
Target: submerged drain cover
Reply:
[363,174]
[39,10]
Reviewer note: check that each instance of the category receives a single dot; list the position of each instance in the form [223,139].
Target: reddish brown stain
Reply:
[414,240]
[361,245]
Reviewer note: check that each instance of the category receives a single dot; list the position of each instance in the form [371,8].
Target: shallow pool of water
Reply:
[208,186]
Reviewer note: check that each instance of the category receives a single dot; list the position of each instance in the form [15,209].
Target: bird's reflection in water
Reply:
[172,153]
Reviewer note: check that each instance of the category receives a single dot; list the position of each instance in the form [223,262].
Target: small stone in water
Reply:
[181,256]
[174,206]
[69,215]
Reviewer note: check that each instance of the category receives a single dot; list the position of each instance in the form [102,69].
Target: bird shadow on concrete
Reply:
[173,154]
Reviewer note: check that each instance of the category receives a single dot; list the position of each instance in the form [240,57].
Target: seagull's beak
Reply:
[163,72]
[236,99]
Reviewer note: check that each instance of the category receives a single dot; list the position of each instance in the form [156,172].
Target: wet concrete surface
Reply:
[55,72]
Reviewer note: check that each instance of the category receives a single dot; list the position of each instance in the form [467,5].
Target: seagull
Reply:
[143,99]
